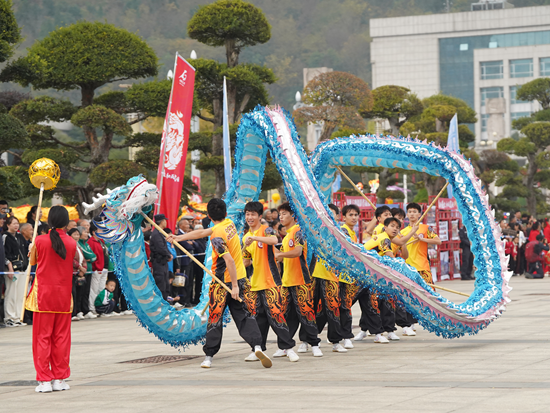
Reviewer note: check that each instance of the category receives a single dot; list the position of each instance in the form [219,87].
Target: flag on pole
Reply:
[452,144]
[226,143]
[175,137]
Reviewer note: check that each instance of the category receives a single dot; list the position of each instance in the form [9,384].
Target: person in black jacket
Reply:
[467,256]
[198,272]
[160,256]
[186,265]
[5,266]
[16,252]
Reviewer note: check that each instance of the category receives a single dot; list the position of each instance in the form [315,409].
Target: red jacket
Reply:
[96,247]
[533,235]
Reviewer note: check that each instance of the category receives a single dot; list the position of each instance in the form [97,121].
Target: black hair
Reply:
[389,220]
[58,218]
[274,210]
[535,226]
[72,231]
[380,210]
[414,205]
[281,226]
[351,207]
[254,207]
[3,201]
[31,211]
[285,206]
[217,209]
[147,235]
[93,228]
[43,229]
[8,221]
[168,230]
[334,208]
[540,237]
[397,211]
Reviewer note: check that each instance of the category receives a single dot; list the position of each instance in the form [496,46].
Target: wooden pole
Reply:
[448,290]
[433,203]
[35,231]
[200,264]
[355,186]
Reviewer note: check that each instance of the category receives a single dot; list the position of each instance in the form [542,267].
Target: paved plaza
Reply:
[505,368]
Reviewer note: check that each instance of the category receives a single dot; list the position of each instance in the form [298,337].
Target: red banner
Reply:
[175,137]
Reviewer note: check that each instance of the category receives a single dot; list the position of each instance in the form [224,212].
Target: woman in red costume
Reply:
[50,300]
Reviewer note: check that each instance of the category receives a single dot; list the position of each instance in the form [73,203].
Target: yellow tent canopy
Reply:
[21,212]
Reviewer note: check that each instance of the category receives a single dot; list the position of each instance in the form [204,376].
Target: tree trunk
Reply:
[383,177]
[393,126]
[433,184]
[87,95]
[231,53]
[529,182]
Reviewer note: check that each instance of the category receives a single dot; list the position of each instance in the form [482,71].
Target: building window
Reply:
[484,119]
[545,66]
[493,45]
[464,47]
[521,68]
[491,93]
[513,99]
[491,70]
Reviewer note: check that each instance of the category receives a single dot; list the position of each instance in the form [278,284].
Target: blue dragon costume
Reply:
[307,183]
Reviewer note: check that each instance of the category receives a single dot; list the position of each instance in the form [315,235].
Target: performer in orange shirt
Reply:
[265,297]
[298,287]
[228,265]
[51,301]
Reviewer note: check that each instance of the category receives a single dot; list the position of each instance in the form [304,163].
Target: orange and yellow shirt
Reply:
[382,244]
[418,251]
[266,274]
[225,240]
[343,277]
[296,271]
[321,271]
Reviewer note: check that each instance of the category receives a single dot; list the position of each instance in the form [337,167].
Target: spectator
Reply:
[90,257]
[99,274]
[160,256]
[171,268]
[16,251]
[31,216]
[2,222]
[511,250]
[274,215]
[5,266]
[104,302]
[533,255]
[467,257]
[84,223]
[521,266]
[198,272]
[72,224]
[186,265]
[5,208]
[546,230]
[43,229]
[26,230]
[80,301]
[268,216]
[282,231]
[147,239]
[535,231]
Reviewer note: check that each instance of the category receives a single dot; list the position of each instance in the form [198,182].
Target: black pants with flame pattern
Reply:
[267,307]
[245,322]
[300,311]
[377,314]
[329,309]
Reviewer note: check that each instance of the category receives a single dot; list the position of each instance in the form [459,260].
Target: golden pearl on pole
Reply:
[44,171]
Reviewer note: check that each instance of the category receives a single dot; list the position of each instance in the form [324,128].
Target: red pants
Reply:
[51,345]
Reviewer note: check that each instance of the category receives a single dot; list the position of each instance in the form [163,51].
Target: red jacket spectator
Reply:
[533,235]
[547,232]
[96,247]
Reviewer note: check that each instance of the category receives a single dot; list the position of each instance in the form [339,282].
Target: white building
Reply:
[478,56]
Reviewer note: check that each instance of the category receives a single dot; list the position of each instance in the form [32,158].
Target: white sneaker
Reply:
[43,387]
[19,323]
[207,362]
[75,318]
[360,336]
[348,343]
[80,316]
[252,357]
[407,331]
[115,314]
[413,327]
[292,356]
[90,315]
[337,348]
[266,361]
[60,385]
[105,315]
[302,348]
[392,336]
[316,351]
[280,353]
[130,312]
[380,339]
[177,306]
[9,323]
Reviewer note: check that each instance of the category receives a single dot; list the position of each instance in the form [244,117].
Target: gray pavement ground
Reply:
[505,368]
